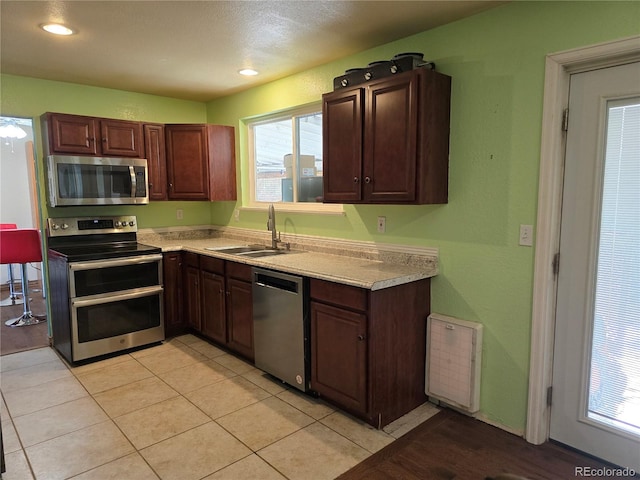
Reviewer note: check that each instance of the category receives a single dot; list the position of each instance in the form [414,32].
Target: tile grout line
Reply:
[201,360]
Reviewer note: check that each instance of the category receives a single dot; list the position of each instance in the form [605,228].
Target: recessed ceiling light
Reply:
[248,72]
[57,29]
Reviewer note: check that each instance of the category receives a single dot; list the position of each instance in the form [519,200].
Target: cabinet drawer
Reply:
[192,259]
[339,294]
[210,264]
[241,271]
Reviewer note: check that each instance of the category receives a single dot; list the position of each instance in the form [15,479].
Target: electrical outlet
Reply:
[179,214]
[526,235]
[382,224]
[236,214]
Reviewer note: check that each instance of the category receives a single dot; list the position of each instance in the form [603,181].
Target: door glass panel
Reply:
[614,385]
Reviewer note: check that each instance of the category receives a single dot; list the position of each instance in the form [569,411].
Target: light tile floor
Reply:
[182,410]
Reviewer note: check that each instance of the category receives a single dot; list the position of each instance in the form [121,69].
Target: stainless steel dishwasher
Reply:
[281,326]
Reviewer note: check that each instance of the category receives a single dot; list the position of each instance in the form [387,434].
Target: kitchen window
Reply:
[286,160]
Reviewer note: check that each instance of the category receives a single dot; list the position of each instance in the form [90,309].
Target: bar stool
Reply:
[22,246]
[15,298]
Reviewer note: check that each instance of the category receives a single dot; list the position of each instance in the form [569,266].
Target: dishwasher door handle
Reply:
[276,283]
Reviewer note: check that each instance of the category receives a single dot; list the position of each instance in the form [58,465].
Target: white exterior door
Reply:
[596,372]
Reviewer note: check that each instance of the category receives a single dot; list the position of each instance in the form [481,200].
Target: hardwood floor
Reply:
[453,446]
[18,339]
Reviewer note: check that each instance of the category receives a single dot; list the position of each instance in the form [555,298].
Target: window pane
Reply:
[288,159]
[310,159]
[272,145]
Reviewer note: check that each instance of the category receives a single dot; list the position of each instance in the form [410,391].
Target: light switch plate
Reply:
[382,224]
[526,235]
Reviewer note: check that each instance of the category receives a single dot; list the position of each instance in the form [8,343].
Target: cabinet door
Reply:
[339,356]
[187,162]
[172,279]
[240,317]
[390,132]
[73,134]
[192,297]
[222,162]
[342,145]
[154,152]
[121,138]
[214,322]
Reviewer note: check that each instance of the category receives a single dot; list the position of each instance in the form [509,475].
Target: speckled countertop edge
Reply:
[364,266]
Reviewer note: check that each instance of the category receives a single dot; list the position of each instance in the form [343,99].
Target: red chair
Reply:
[22,246]
[14,298]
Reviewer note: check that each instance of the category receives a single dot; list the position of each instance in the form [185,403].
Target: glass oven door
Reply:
[106,323]
[107,276]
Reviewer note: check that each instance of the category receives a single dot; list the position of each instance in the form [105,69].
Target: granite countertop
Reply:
[346,269]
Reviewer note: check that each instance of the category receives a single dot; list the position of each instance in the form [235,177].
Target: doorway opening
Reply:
[19,206]
[559,68]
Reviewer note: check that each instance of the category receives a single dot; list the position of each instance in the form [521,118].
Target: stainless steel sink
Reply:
[253,251]
[263,253]
[237,250]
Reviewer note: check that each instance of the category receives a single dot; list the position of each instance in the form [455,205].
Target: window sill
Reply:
[321,209]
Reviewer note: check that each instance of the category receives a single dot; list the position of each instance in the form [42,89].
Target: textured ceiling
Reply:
[194,49]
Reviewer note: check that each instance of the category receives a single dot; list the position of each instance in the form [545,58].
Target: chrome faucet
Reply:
[271,226]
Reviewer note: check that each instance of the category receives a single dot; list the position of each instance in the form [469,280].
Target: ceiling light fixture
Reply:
[10,131]
[57,29]
[248,72]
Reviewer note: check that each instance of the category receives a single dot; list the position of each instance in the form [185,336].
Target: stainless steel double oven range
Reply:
[105,288]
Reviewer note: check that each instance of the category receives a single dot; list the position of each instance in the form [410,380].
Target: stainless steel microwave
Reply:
[97,181]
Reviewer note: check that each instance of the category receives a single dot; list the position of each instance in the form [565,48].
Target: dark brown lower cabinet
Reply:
[339,362]
[214,324]
[218,301]
[368,348]
[192,291]
[173,294]
[240,309]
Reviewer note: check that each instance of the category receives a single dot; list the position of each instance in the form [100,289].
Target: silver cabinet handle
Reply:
[367,180]
[356,179]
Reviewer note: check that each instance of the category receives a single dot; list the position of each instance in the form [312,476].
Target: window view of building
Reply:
[287,159]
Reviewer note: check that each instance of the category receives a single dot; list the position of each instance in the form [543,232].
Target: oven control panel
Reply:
[91,225]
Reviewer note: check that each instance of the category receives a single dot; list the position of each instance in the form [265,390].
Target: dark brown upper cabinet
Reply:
[81,135]
[155,153]
[201,162]
[387,141]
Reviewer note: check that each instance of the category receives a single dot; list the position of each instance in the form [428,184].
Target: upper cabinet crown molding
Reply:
[387,140]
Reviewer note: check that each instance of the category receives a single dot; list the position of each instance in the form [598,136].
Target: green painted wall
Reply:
[30,97]
[496,60]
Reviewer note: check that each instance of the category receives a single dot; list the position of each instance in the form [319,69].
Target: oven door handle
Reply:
[108,298]
[121,262]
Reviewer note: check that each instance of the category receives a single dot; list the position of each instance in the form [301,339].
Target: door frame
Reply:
[558,69]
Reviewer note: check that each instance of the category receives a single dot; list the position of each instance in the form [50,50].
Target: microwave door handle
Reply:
[132,174]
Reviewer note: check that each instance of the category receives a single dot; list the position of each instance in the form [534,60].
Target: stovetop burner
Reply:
[95,238]
[103,251]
